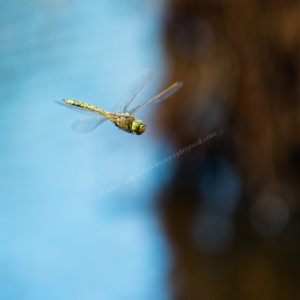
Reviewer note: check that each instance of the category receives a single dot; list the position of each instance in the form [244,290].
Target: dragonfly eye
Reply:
[138,127]
[142,129]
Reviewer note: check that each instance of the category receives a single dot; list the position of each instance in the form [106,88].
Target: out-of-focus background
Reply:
[96,216]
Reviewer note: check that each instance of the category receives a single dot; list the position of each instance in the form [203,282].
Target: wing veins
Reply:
[132,92]
[160,97]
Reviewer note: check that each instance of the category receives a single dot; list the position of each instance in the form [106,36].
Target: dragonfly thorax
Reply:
[138,127]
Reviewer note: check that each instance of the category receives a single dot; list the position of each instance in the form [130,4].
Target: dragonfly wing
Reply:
[132,92]
[85,125]
[82,110]
[160,97]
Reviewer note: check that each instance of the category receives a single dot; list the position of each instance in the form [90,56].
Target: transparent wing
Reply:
[132,92]
[160,97]
[85,125]
[78,109]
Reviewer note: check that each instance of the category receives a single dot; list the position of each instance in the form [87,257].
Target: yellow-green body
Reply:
[121,115]
[124,121]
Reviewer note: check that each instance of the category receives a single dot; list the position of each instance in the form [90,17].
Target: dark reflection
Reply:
[231,209]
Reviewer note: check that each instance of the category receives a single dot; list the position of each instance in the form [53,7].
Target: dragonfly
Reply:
[121,115]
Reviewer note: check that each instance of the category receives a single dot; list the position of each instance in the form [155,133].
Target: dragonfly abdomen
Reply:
[86,106]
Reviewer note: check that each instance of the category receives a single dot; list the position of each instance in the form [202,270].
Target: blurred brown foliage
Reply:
[231,211]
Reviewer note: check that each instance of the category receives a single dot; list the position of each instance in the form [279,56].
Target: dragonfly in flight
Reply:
[122,116]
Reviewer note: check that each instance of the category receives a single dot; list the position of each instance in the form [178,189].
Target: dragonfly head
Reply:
[138,127]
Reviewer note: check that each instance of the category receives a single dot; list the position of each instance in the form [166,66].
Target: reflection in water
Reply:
[269,214]
[220,187]
[231,209]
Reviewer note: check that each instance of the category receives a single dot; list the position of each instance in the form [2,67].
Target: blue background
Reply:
[59,238]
